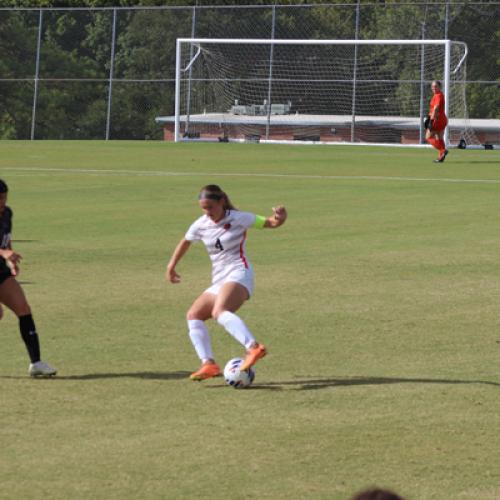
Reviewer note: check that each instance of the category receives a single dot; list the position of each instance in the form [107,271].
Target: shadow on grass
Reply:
[478,161]
[297,385]
[324,383]
[142,375]
[99,376]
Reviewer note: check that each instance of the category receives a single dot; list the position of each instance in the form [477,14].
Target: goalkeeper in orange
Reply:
[436,122]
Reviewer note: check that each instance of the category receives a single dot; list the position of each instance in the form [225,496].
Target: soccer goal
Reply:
[317,91]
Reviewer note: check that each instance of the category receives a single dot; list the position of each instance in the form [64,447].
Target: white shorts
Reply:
[242,276]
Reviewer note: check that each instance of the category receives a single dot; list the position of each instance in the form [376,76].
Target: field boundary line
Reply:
[161,173]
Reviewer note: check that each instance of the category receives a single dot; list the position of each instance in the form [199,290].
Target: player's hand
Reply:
[12,260]
[280,213]
[172,276]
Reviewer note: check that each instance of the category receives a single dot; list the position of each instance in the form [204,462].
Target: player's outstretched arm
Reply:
[171,275]
[278,218]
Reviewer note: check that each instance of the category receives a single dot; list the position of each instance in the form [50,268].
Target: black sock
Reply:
[30,337]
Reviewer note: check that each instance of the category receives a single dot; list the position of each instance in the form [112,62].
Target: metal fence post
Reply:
[111,75]
[353,108]
[190,72]
[271,61]
[37,75]
[422,83]
[446,18]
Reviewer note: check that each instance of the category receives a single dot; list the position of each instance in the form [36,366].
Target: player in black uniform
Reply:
[11,293]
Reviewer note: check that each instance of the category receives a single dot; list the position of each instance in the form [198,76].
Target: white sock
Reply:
[237,328]
[198,333]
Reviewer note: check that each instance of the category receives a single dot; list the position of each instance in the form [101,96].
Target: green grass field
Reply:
[378,301]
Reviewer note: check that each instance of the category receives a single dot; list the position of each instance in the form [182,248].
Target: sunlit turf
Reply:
[378,301]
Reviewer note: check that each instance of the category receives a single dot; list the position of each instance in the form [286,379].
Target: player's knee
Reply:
[195,313]
[22,310]
[191,314]
[217,311]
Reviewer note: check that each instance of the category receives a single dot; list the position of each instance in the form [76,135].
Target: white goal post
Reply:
[332,91]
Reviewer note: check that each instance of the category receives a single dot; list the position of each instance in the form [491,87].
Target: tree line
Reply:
[75,53]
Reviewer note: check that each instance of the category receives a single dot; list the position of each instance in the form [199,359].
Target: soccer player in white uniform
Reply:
[223,230]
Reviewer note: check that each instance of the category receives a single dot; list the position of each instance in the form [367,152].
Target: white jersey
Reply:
[224,241]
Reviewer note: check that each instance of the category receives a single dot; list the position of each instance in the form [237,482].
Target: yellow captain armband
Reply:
[259,222]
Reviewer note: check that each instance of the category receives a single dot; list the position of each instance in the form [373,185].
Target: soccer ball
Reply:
[236,378]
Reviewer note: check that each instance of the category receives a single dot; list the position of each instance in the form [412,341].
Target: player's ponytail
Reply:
[227,203]
[3,187]
[214,192]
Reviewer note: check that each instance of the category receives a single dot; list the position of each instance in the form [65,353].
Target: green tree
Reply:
[18,31]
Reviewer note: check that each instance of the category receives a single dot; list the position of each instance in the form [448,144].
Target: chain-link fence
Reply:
[107,73]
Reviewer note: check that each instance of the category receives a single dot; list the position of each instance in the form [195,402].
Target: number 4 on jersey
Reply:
[218,245]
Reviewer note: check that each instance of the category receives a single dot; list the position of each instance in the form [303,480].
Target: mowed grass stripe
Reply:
[235,174]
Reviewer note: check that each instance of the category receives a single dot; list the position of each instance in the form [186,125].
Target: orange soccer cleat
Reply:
[207,370]
[253,355]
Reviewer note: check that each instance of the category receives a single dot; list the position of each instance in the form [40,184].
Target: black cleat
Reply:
[442,157]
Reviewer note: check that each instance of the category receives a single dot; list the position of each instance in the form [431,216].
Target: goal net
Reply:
[364,91]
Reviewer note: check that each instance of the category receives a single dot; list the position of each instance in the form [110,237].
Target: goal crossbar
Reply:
[275,41]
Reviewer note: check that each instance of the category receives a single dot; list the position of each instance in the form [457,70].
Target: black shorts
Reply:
[4,271]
